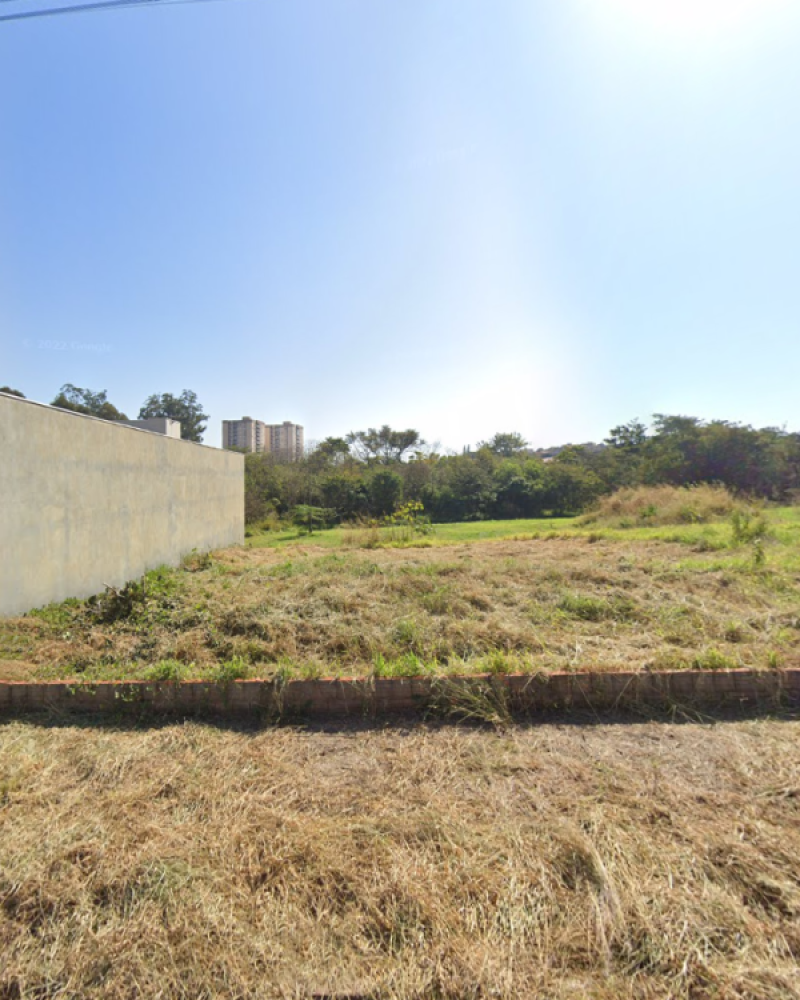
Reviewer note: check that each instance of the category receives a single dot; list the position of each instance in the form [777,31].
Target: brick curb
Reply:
[479,697]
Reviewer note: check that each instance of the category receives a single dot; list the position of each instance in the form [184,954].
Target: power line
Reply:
[87,7]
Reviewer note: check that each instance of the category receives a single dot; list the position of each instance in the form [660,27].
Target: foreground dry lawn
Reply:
[645,860]
[562,603]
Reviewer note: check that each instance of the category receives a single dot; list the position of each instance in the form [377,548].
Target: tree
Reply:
[308,517]
[94,404]
[185,408]
[629,437]
[345,493]
[384,445]
[385,492]
[570,488]
[506,444]
[462,488]
[332,452]
[519,488]
[12,392]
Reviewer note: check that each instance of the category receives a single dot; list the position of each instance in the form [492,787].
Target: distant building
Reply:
[284,440]
[157,425]
[246,434]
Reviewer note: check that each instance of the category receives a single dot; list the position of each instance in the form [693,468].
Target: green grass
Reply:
[784,525]
[442,534]
[714,535]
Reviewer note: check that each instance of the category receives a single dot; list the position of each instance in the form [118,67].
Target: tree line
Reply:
[369,474]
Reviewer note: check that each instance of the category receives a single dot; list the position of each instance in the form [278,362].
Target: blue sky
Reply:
[463,216]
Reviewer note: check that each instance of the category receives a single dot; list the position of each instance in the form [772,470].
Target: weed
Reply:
[119,605]
[498,663]
[471,700]
[235,669]
[595,609]
[166,671]
[58,615]
[750,528]
[713,659]
[283,569]
[407,633]
[196,562]
[440,602]
[734,632]
[161,582]
[407,665]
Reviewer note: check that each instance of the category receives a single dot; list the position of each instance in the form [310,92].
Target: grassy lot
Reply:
[628,861]
[493,596]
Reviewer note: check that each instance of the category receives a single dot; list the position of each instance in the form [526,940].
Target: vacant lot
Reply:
[576,599]
[610,861]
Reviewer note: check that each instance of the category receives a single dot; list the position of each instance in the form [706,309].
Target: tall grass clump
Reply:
[634,506]
[404,527]
[751,529]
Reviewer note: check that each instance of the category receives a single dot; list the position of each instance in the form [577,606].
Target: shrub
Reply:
[235,669]
[165,671]
[750,528]
[118,605]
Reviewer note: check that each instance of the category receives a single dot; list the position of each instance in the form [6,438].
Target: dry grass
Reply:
[495,606]
[642,861]
[637,505]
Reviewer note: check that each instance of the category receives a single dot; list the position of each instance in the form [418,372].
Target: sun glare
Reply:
[698,18]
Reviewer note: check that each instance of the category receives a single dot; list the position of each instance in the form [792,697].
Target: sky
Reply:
[461,216]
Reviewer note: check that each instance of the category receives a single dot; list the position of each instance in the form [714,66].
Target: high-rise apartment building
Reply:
[284,440]
[247,434]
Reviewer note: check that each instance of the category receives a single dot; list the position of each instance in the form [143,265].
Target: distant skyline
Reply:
[454,215]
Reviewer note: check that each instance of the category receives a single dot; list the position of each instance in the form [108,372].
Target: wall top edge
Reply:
[119,425]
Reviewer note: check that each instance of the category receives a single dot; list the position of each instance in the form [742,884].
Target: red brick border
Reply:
[370,698]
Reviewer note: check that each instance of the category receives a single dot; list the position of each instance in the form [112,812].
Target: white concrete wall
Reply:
[87,502]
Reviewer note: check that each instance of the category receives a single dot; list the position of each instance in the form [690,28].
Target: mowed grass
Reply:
[486,597]
[784,539]
[623,861]
[442,534]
